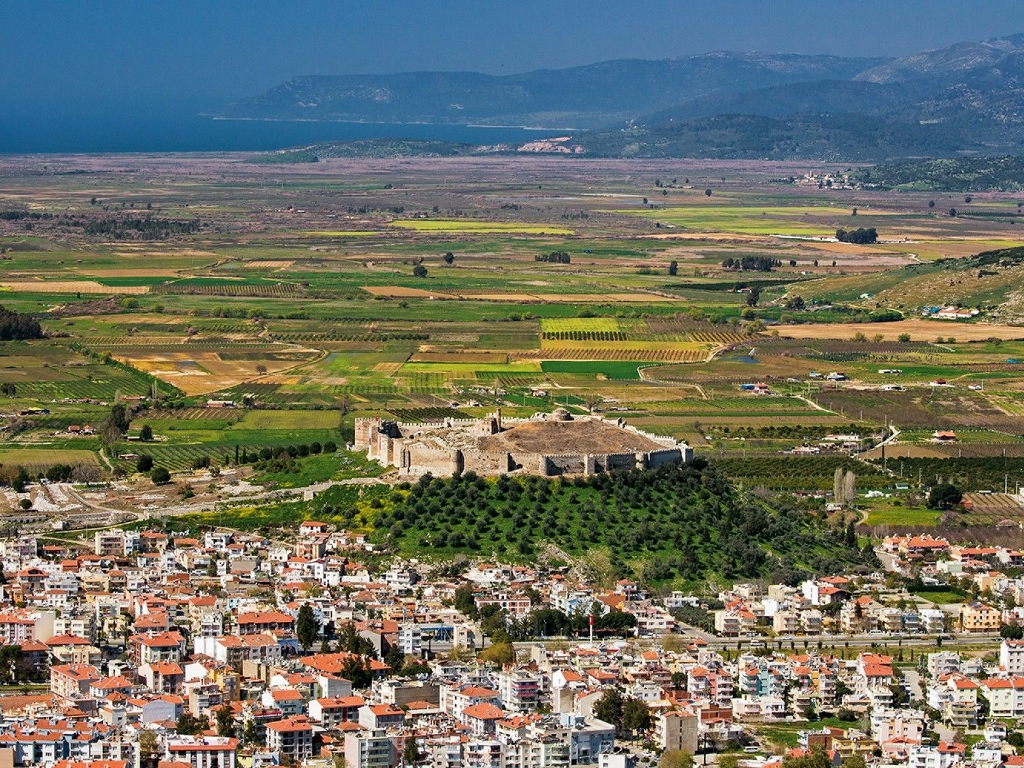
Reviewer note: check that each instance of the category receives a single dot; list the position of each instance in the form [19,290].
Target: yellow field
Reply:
[481,227]
[69,286]
[344,233]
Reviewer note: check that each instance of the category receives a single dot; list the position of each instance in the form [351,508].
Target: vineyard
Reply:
[624,353]
[115,380]
[584,336]
[975,473]
[229,288]
[421,415]
[800,473]
[367,338]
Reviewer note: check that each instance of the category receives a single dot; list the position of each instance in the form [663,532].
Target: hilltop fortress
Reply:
[545,444]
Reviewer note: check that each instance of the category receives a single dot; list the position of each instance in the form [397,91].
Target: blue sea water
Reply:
[196,133]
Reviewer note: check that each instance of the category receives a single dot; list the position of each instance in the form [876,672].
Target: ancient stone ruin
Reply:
[546,444]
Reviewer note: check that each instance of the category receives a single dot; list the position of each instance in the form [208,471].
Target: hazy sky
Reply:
[140,52]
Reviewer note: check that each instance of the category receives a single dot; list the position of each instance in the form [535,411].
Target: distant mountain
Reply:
[965,99]
[944,63]
[580,97]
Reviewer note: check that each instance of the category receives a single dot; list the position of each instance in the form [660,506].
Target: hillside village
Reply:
[230,650]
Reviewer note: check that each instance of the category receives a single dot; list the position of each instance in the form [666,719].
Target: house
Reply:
[978,617]
[202,751]
[291,737]
[370,749]
[331,712]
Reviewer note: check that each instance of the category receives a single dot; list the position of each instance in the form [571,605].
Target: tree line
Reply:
[752,263]
[859,236]
[15,326]
[555,257]
[145,228]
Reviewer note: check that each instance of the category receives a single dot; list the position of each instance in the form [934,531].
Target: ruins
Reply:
[544,444]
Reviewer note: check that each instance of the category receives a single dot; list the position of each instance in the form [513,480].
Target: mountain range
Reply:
[966,99]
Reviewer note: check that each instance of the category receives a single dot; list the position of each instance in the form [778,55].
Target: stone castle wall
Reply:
[399,445]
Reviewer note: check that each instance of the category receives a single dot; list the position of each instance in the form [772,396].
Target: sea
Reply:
[21,134]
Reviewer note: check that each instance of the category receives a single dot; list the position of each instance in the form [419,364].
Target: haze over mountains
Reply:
[964,99]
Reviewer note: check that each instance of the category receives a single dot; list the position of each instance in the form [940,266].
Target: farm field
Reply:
[427,289]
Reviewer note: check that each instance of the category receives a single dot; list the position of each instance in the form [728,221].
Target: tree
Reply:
[673,268]
[225,721]
[707,192]
[189,725]
[753,296]
[465,603]
[144,463]
[1011,632]
[609,708]
[252,734]
[931,203]
[944,496]
[115,426]
[797,303]
[952,213]
[675,758]
[20,480]
[449,258]
[261,369]
[419,271]
[499,653]
[146,433]
[410,753]
[816,758]
[160,476]
[636,717]
[10,663]
[149,747]
[307,628]
[903,338]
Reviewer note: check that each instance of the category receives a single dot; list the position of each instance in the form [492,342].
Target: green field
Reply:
[298,300]
[610,369]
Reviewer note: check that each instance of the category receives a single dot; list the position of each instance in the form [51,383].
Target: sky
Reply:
[74,55]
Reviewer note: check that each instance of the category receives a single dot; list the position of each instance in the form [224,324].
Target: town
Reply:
[234,650]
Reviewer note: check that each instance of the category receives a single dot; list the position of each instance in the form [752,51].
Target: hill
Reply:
[581,97]
[964,174]
[674,522]
[966,98]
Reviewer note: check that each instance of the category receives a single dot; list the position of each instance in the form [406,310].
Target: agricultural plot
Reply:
[201,371]
[609,369]
[340,323]
[480,227]
[791,473]
[38,460]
